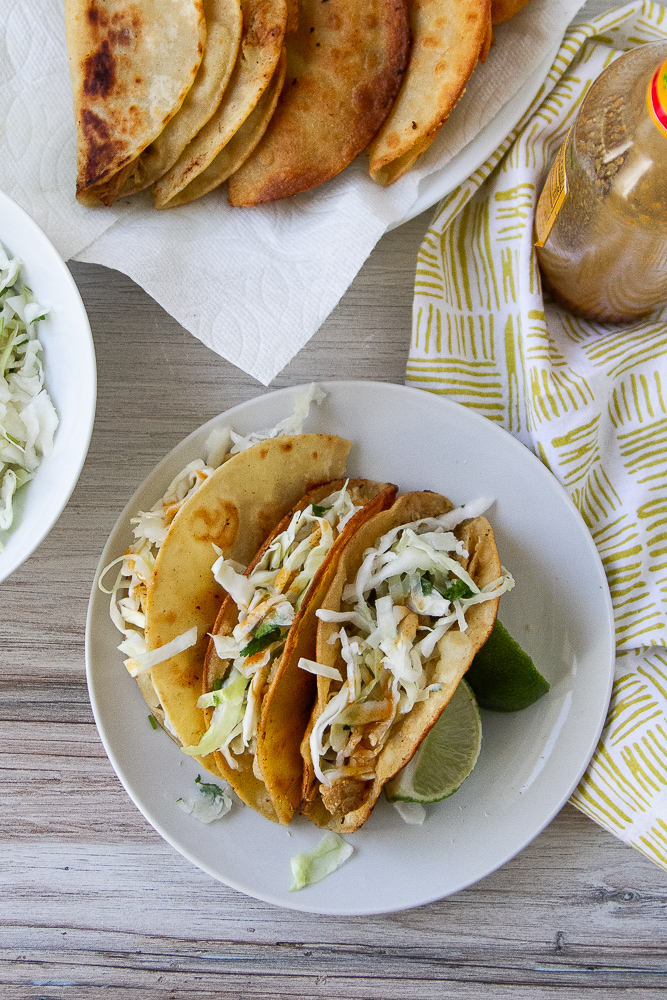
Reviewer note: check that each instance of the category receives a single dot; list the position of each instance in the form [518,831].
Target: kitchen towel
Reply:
[589,399]
[253,284]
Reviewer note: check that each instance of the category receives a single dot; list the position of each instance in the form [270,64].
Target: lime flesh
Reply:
[445,757]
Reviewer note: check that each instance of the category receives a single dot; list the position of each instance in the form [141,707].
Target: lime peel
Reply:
[503,676]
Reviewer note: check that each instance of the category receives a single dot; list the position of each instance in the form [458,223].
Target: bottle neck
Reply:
[656,97]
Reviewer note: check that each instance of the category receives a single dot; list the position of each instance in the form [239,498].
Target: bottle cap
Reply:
[656,97]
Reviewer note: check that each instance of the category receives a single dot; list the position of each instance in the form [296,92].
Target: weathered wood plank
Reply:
[92,900]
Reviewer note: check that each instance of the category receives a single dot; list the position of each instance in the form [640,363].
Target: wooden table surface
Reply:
[95,903]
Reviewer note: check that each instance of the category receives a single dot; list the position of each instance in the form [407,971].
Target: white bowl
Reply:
[69,366]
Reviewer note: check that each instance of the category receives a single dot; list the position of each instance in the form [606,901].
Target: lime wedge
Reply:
[445,757]
[503,677]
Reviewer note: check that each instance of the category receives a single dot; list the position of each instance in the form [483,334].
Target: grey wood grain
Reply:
[95,903]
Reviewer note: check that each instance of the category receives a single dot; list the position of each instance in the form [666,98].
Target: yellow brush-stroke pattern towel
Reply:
[589,399]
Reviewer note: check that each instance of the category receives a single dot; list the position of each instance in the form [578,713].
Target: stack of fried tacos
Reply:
[297,632]
[275,96]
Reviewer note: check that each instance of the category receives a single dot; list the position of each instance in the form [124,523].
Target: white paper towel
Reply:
[253,284]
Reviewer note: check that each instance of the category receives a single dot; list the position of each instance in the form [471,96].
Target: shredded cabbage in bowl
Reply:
[28,419]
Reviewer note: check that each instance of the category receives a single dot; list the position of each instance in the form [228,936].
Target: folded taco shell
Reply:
[448,37]
[454,654]
[131,69]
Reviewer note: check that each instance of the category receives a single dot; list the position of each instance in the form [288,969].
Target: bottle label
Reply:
[553,195]
[656,97]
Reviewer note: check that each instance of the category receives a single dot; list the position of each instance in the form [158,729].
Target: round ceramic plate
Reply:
[530,762]
[69,367]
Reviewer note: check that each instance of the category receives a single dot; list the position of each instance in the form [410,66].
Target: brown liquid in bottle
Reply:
[606,254]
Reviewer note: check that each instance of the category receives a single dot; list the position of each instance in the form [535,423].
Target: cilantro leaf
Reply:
[319,511]
[205,788]
[263,628]
[458,591]
[265,635]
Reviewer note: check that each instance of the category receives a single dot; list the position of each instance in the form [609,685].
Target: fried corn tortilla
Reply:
[374,733]
[502,10]
[223,27]
[448,38]
[236,508]
[266,624]
[131,70]
[292,16]
[264,23]
[239,147]
[345,64]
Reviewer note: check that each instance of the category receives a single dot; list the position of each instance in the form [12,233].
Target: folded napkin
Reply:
[590,400]
[253,284]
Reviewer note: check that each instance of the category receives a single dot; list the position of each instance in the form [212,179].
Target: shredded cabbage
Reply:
[227,716]
[213,802]
[310,867]
[409,590]
[144,661]
[28,419]
[320,669]
[411,812]
[129,590]
[290,425]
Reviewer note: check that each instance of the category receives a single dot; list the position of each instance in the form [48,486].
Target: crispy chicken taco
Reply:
[414,597]
[256,698]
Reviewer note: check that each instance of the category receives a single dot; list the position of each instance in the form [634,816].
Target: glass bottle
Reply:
[601,220]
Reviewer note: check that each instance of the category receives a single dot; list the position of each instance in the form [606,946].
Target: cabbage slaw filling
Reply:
[410,590]
[28,419]
[129,591]
[268,600]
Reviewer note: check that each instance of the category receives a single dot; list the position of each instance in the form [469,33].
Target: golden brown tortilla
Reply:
[455,653]
[235,508]
[223,27]
[270,782]
[239,147]
[502,10]
[344,68]
[264,24]
[131,70]
[448,37]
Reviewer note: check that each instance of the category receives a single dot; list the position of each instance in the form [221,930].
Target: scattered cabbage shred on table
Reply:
[28,419]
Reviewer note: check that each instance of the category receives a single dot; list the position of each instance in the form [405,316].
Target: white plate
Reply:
[69,366]
[560,611]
